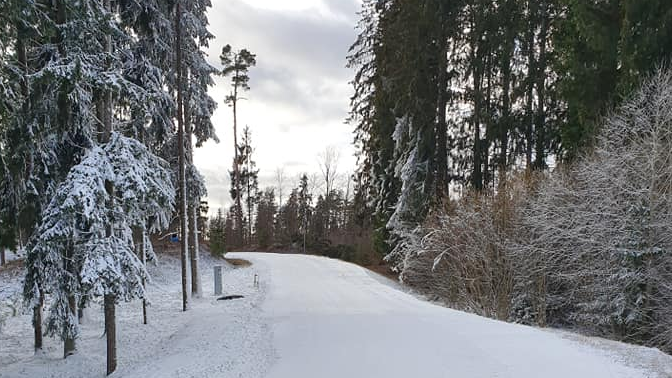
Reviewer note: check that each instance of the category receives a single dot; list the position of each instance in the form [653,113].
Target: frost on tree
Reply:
[76,221]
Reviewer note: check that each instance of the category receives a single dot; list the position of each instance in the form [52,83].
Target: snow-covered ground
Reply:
[213,339]
[13,255]
[316,317]
[334,319]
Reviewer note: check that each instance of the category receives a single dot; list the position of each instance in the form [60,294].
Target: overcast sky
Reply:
[300,92]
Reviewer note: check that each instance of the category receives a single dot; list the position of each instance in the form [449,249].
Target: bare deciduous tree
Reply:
[280,182]
[328,162]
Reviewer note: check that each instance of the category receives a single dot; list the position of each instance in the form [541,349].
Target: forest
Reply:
[514,159]
[101,103]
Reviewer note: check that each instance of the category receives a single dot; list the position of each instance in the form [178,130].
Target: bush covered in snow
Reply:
[588,246]
[462,254]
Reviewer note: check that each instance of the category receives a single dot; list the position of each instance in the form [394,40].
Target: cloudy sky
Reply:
[300,92]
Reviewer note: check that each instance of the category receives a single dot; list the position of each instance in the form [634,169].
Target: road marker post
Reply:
[218,279]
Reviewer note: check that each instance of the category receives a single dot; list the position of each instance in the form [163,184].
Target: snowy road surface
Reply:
[333,319]
[311,317]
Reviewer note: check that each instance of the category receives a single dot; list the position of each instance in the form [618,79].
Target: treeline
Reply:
[452,95]
[317,216]
[487,172]
[100,104]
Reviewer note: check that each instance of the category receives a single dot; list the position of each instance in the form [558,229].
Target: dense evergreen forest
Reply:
[100,104]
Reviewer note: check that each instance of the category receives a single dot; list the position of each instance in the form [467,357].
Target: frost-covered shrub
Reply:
[461,254]
[587,246]
[598,235]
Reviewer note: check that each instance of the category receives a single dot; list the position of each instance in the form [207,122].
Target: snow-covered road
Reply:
[311,317]
[334,319]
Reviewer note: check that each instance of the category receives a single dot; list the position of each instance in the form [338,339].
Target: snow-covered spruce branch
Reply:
[74,229]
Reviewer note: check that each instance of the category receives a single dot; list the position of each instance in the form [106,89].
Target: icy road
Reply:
[334,319]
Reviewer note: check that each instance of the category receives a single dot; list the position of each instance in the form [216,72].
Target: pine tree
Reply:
[288,222]
[237,64]
[93,226]
[77,94]
[606,47]
[372,112]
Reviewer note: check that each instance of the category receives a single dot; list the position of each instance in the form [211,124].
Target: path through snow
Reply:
[333,319]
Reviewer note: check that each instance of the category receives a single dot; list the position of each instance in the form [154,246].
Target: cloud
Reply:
[300,92]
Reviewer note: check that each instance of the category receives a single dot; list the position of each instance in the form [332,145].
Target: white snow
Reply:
[13,255]
[334,319]
[314,317]
[212,339]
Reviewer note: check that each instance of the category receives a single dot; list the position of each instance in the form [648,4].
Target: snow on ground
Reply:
[10,294]
[315,317]
[12,255]
[213,339]
[333,319]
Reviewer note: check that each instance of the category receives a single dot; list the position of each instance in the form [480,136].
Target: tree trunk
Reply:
[505,122]
[110,331]
[236,170]
[139,242]
[540,150]
[2,257]
[488,119]
[181,155]
[37,322]
[69,345]
[477,75]
[143,258]
[192,210]
[250,200]
[80,309]
[196,289]
[477,174]
[442,103]
[109,299]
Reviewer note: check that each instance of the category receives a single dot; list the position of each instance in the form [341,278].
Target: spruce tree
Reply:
[249,181]
[304,200]
[264,224]
[216,234]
